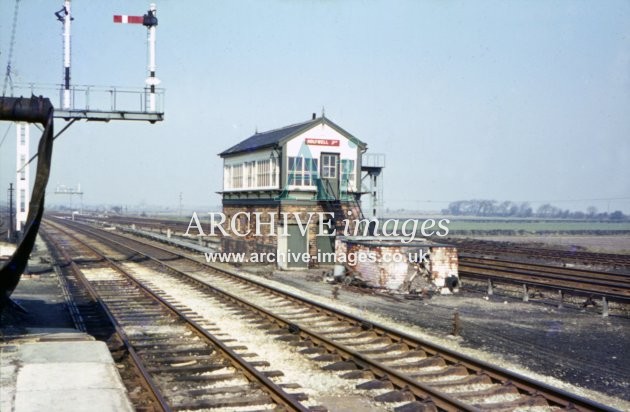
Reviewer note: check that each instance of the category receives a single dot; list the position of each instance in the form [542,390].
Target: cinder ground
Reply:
[40,295]
[574,345]
[597,244]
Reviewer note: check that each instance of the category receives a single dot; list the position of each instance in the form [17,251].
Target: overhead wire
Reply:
[6,133]
[7,75]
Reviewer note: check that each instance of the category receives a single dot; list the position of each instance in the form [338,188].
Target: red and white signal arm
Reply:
[123,18]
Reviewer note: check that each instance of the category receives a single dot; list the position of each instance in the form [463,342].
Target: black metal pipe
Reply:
[26,109]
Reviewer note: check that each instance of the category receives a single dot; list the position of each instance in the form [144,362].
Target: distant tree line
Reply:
[493,208]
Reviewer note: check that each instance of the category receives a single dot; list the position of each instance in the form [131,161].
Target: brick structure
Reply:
[396,265]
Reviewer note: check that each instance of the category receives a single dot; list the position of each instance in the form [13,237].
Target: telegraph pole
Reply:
[11,234]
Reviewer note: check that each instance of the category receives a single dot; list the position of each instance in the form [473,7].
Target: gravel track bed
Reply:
[574,350]
[316,383]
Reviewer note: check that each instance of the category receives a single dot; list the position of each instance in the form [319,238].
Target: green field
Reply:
[538,225]
[526,226]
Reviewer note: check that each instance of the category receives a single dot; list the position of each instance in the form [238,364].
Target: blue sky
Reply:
[506,100]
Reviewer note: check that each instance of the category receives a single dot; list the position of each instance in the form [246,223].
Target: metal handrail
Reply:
[100,98]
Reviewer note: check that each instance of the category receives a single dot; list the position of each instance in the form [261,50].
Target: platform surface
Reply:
[64,371]
[46,364]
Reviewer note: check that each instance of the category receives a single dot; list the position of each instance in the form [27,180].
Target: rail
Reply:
[275,392]
[148,380]
[556,397]
[574,281]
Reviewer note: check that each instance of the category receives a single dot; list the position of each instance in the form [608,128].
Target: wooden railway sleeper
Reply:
[423,391]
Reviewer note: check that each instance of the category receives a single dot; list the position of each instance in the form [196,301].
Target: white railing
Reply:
[373,159]
[97,98]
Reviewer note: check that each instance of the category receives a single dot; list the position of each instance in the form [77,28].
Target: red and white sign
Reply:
[123,18]
[322,142]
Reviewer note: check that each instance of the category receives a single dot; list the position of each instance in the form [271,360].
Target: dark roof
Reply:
[269,138]
[274,137]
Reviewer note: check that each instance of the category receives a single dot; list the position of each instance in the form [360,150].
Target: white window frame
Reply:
[227,177]
[266,174]
[249,175]
[348,173]
[305,173]
[327,167]
[237,176]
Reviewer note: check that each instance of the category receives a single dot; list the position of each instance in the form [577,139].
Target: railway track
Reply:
[467,247]
[142,222]
[414,374]
[511,266]
[589,283]
[506,250]
[183,360]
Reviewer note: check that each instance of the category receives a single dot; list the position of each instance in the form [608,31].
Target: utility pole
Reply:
[66,18]
[22,178]
[11,234]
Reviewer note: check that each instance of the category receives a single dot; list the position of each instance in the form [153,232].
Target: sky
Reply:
[505,100]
